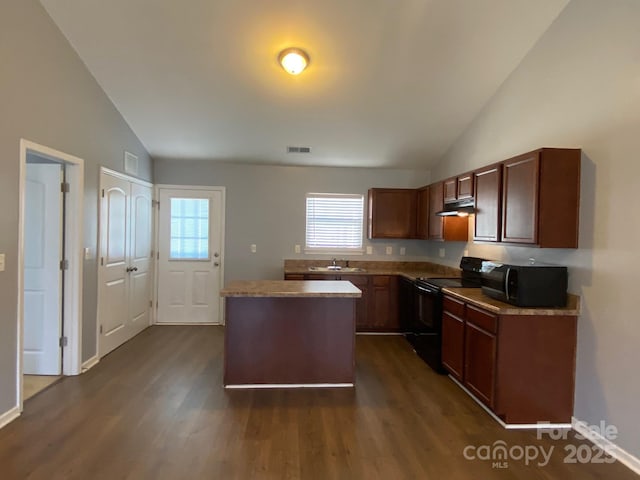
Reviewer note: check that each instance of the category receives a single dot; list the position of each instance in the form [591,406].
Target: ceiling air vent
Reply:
[298,149]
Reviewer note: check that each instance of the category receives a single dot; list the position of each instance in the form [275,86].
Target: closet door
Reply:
[113,295]
[126,263]
[140,261]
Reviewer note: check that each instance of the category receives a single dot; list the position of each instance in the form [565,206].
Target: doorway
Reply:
[190,255]
[50,268]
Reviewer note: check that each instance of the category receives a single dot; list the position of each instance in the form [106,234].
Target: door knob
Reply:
[216,254]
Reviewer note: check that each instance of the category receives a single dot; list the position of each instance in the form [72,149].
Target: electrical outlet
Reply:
[369,250]
[389,250]
[254,248]
[403,251]
[441,252]
[1,262]
[465,253]
[297,249]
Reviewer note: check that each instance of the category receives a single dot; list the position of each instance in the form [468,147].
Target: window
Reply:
[189,229]
[334,222]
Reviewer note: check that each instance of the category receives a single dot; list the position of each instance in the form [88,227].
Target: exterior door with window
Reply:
[190,255]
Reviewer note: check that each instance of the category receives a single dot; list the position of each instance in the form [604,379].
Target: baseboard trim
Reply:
[288,385]
[9,416]
[187,324]
[509,426]
[627,459]
[92,362]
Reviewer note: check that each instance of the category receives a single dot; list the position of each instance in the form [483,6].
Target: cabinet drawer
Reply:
[484,320]
[380,280]
[453,306]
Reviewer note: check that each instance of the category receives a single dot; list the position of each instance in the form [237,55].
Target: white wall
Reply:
[580,87]
[265,205]
[48,96]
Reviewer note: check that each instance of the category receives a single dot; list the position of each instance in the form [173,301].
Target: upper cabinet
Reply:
[436,204]
[541,198]
[458,188]
[465,186]
[392,213]
[423,213]
[453,228]
[487,220]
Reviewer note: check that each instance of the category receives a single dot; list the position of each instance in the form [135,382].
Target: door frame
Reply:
[156,282]
[73,252]
[123,176]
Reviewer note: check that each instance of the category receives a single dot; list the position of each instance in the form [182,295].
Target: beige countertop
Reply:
[410,270]
[290,288]
[475,297]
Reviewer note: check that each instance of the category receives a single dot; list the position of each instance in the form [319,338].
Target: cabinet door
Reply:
[423,214]
[465,186]
[520,199]
[453,344]
[450,187]
[362,303]
[294,276]
[488,184]
[383,304]
[480,363]
[392,213]
[436,204]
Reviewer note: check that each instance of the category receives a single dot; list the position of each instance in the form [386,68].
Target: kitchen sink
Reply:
[337,268]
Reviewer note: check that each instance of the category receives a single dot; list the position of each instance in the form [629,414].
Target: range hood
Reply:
[461,208]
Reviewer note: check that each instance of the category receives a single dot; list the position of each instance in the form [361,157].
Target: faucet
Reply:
[333,262]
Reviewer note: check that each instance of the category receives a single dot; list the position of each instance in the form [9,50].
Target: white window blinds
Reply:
[334,221]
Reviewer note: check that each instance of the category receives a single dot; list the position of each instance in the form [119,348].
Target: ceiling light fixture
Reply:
[293,60]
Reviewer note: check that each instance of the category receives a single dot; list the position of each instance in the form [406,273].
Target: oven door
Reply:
[428,305]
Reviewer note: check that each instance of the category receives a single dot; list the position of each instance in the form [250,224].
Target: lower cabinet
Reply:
[520,366]
[377,308]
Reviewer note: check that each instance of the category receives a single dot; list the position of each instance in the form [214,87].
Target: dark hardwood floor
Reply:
[155,409]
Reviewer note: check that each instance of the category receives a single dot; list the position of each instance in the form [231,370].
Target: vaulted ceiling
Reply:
[391,83]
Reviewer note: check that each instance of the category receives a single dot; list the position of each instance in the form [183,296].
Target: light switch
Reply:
[389,250]
[1,262]
[441,252]
[87,253]
[297,249]
[369,250]
[254,248]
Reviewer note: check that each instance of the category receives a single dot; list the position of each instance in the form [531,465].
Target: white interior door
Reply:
[114,278]
[190,255]
[140,261]
[42,275]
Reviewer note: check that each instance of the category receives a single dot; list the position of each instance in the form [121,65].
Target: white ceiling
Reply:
[392,83]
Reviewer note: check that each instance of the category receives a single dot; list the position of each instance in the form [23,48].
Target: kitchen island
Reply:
[289,333]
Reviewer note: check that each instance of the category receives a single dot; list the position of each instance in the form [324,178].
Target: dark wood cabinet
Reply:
[458,188]
[453,344]
[453,228]
[465,186]
[480,363]
[450,189]
[383,307]
[423,213]
[362,303]
[521,366]
[541,197]
[377,308]
[392,213]
[487,220]
[436,204]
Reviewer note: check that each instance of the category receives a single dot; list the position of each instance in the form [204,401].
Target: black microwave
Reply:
[534,285]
